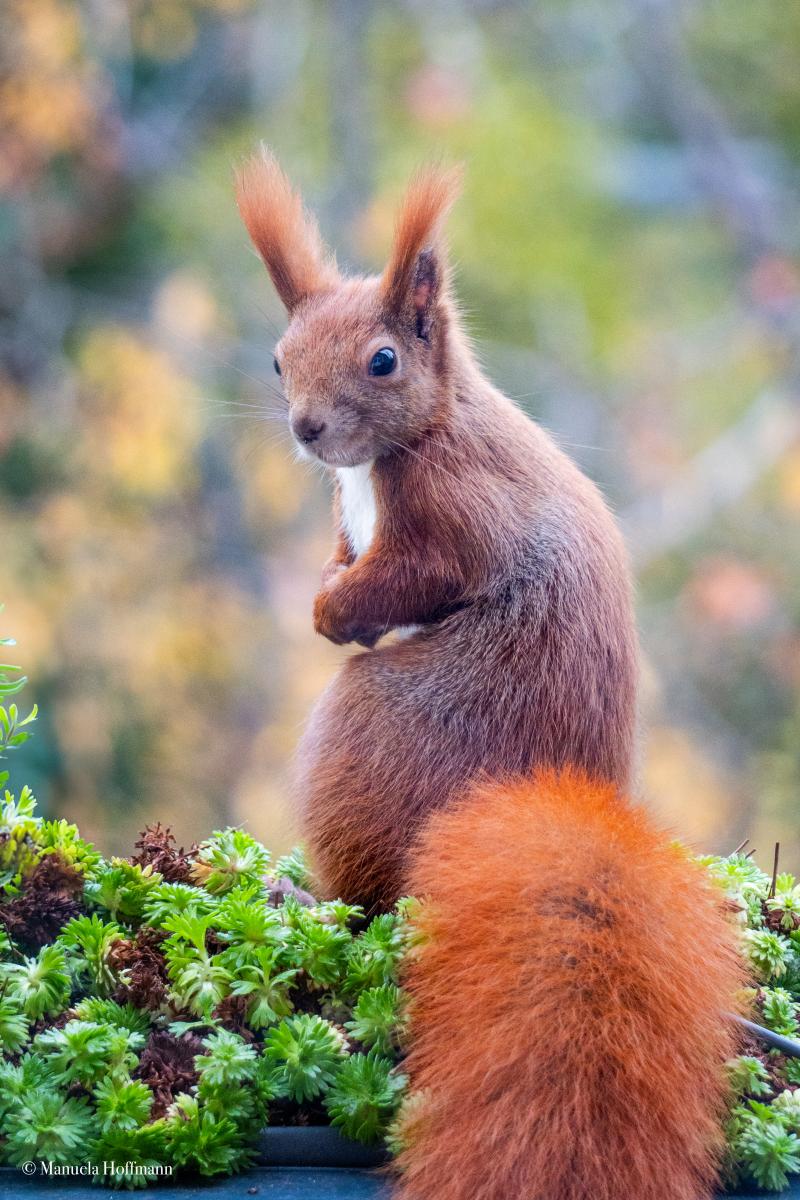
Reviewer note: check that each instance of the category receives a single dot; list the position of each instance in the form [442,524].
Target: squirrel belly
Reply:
[569,1001]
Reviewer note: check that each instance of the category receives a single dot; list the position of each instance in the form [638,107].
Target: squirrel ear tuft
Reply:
[285,235]
[417,269]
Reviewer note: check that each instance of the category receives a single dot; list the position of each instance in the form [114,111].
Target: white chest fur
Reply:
[359,512]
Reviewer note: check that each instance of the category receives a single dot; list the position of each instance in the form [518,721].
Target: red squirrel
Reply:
[567,1037]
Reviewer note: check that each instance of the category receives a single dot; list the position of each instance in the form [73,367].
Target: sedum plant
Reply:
[169,1020]
[229,858]
[45,1124]
[14,1025]
[122,1104]
[364,1096]
[40,985]
[378,1018]
[266,988]
[763,1130]
[200,980]
[306,1053]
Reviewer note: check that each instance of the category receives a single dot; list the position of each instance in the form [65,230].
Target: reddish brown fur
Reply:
[285,235]
[487,537]
[425,205]
[506,557]
[568,1021]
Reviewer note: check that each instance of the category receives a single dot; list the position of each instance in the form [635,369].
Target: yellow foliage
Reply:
[276,487]
[205,633]
[165,29]
[185,306]
[789,481]
[48,31]
[685,787]
[142,412]
[48,96]
[51,113]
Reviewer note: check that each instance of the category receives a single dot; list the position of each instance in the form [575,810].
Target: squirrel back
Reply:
[570,1000]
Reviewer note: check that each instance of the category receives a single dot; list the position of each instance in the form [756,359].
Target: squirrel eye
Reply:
[277,366]
[383,362]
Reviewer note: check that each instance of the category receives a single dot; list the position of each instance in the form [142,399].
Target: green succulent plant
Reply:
[245,921]
[320,950]
[109,1012]
[305,1052]
[768,953]
[204,1141]
[293,866]
[88,941]
[40,984]
[748,1076]
[84,1052]
[378,1018]
[200,980]
[14,1025]
[122,1104]
[19,833]
[138,1155]
[121,888]
[62,838]
[764,1148]
[267,989]
[779,1011]
[229,858]
[167,899]
[364,1096]
[46,1124]
[14,728]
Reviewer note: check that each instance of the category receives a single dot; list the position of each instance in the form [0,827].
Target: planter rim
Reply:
[315,1146]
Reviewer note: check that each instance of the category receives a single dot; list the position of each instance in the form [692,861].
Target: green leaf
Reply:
[378,1018]
[305,1052]
[365,1096]
[122,1104]
[40,984]
[44,1124]
[230,858]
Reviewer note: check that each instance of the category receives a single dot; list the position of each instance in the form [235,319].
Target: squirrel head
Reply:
[364,362]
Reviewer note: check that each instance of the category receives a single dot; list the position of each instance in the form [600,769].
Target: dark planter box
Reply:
[304,1164]
[262,1183]
[314,1163]
[316,1146]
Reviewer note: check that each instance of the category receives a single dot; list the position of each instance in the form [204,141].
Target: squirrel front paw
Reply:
[339,628]
[331,571]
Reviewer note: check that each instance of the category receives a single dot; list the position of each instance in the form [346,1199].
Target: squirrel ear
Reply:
[417,269]
[285,235]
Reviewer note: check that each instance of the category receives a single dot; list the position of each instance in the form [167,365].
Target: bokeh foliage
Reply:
[627,255]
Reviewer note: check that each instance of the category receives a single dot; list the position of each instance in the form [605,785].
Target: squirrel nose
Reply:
[307,429]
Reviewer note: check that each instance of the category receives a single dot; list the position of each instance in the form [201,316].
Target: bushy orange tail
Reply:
[568,1032]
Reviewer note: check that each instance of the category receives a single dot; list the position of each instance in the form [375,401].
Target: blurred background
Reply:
[627,251]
